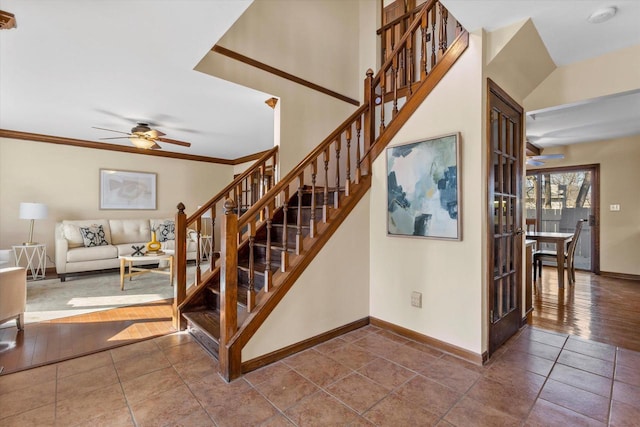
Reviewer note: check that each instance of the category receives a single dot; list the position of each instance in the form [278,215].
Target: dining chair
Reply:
[530,224]
[550,255]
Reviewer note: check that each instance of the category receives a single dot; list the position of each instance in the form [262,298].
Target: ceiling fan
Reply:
[142,136]
[535,160]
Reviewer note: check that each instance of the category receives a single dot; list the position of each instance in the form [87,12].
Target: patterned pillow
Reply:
[166,231]
[93,236]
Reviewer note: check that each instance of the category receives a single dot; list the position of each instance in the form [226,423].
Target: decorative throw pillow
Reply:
[166,231]
[93,236]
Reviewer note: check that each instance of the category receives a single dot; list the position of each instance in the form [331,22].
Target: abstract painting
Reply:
[127,190]
[423,190]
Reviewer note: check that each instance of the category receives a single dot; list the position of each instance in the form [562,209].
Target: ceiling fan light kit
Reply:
[143,137]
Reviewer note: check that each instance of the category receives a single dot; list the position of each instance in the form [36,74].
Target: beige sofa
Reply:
[13,295]
[72,256]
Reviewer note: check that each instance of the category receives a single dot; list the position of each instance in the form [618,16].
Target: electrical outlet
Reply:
[416,299]
[614,208]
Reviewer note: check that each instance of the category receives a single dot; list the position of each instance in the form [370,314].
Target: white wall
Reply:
[331,292]
[66,179]
[449,274]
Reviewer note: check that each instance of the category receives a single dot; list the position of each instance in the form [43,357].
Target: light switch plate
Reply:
[614,208]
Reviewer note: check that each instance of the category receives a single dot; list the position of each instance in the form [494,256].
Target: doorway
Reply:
[558,197]
[505,159]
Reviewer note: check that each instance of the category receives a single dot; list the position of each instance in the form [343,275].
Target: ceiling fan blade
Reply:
[547,156]
[173,141]
[111,130]
[155,147]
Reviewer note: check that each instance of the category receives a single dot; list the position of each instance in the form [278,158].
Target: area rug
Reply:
[52,299]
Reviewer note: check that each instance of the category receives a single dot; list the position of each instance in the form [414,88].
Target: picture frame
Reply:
[127,190]
[423,188]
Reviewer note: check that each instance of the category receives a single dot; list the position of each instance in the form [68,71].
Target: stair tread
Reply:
[274,245]
[242,293]
[208,321]
[290,226]
[259,267]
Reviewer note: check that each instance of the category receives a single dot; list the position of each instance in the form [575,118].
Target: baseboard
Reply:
[274,356]
[620,275]
[459,352]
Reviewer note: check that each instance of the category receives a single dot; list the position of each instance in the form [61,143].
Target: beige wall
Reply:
[619,177]
[615,72]
[331,292]
[293,36]
[449,274]
[66,179]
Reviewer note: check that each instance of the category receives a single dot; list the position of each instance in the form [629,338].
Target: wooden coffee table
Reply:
[151,259]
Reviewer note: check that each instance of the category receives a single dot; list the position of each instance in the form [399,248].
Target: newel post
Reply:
[369,119]
[180,263]
[229,368]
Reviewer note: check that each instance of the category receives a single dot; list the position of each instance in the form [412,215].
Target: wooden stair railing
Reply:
[248,187]
[429,47]
[266,246]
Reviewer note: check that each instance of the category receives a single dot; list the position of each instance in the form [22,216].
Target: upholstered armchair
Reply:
[13,295]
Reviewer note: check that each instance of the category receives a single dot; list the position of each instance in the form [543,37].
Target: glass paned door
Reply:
[557,200]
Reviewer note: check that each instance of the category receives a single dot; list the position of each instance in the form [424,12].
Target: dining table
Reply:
[560,240]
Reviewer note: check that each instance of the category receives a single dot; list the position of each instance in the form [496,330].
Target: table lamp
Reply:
[32,211]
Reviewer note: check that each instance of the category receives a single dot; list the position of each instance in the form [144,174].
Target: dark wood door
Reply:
[505,157]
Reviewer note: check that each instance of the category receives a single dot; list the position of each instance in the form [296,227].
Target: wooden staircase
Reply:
[268,242]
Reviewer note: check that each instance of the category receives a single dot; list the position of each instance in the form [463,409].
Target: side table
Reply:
[206,247]
[35,258]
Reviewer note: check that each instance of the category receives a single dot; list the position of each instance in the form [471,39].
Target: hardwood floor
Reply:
[69,337]
[598,308]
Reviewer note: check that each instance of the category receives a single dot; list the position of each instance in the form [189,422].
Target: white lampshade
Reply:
[33,210]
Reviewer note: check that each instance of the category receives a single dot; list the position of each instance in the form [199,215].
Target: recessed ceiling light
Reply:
[602,15]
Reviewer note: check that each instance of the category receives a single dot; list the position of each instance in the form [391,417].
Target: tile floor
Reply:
[367,377]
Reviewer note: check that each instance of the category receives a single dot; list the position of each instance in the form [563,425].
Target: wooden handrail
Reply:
[399,19]
[278,187]
[182,224]
[403,40]
[226,190]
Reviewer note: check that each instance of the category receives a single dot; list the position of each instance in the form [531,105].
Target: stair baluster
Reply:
[285,233]
[251,295]
[347,181]
[325,205]
[267,269]
[312,221]
[299,236]
[336,194]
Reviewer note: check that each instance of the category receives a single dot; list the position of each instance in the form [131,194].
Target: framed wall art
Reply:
[127,189]
[423,189]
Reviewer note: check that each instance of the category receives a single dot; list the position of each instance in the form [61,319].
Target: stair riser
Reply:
[260,254]
[205,341]
[292,215]
[243,280]
[292,231]
[306,198]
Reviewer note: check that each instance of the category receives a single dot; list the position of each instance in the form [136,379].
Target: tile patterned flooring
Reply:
[367,377]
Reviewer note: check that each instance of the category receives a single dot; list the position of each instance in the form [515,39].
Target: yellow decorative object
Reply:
[153,245]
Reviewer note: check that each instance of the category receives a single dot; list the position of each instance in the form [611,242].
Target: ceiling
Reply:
[563,27]
[71,65]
